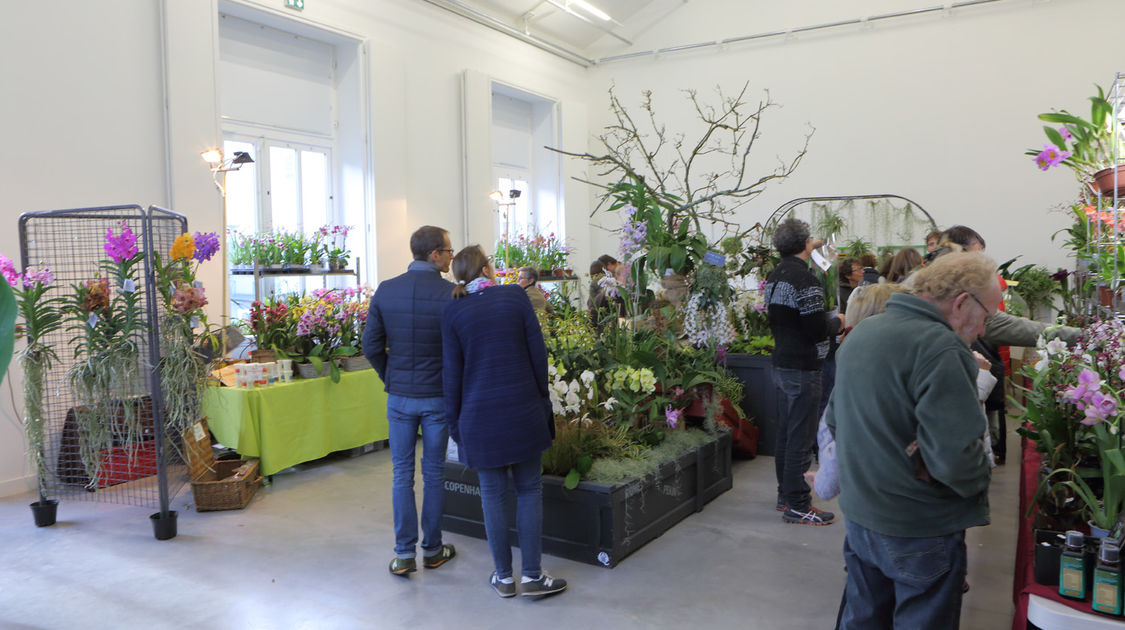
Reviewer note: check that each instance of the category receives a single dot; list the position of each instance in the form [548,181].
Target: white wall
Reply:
[938,109]
[82,118]
[935,108]
[82,125]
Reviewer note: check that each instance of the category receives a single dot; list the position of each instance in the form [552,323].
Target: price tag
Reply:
[820,261]
[197,432]
[194,321]
[128,286]
[92,320]
[715,258]
[197,284]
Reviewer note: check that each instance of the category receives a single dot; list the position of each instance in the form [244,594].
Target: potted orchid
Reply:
[320,321]
[41,317]
[333,249]
[108,320]
[183,368]
[272,326]
[1089,147]
[1073,414]
[294,251]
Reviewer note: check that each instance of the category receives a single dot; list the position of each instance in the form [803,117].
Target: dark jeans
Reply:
[799,398]
[526,477]
[896,582]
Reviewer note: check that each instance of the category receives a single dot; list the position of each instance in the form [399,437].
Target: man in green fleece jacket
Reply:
[913,469]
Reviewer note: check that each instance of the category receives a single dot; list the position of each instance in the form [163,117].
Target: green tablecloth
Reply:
[290,423]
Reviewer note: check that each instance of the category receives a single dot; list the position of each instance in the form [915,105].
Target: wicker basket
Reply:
[218,484]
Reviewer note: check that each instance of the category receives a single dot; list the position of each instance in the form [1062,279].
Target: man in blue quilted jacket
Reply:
[402,340]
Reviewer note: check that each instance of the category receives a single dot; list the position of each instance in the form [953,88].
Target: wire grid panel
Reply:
[72,244]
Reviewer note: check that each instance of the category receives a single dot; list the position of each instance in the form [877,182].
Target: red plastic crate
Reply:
[126,463]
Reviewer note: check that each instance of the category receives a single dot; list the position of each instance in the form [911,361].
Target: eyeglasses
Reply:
[990,315]
[445,249]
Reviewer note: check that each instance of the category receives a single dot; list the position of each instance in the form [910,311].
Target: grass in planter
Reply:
[675,444]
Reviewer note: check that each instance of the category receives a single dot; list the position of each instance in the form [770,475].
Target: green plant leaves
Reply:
[7,326]
[585,462]
[572,478]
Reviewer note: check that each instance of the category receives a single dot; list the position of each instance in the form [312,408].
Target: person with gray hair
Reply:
[795,303]
[528,278]
[908,504]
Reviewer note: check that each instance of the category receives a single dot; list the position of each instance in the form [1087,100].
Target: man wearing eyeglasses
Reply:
[905,545]
[402,340]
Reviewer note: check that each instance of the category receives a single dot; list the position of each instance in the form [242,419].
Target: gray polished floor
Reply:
[311,551]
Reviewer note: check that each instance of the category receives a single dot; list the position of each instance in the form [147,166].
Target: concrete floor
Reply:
[311,551]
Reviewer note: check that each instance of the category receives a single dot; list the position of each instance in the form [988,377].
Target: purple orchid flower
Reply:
[672,416]
[1100,407]
[206,246]
[120,248]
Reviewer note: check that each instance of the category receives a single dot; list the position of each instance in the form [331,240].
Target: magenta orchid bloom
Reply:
[9,271]
[120,248]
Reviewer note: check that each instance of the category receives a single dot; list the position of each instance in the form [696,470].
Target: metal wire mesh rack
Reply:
[111,448]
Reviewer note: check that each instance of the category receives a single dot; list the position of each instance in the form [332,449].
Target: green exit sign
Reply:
[299,5]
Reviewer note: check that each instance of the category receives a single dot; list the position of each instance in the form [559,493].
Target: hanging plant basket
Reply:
[1105,179]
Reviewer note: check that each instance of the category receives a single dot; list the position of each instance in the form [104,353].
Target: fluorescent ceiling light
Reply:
[591,9]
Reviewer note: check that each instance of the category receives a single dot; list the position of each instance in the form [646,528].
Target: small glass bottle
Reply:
[1107,579]
[1072,567]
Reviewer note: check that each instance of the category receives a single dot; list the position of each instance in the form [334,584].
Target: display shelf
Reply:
[1106,238]
[292,272]
[1051,615]
[259,273]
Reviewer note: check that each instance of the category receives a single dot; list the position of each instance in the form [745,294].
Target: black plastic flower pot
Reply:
[164,528]
[45,512]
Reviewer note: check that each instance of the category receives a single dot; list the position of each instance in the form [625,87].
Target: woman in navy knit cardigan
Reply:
[499,411]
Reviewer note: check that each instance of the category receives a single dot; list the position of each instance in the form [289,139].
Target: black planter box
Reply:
[759,395]
[599,523]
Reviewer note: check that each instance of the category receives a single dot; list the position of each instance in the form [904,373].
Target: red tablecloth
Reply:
[1023,582]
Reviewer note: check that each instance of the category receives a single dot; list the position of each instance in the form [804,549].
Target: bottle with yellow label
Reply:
[1072,567]
[1107,579]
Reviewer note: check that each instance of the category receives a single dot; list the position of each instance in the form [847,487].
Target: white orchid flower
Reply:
[572,401]
[587,378]
[1056,346]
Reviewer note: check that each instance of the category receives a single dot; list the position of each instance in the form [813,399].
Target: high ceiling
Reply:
[567,23]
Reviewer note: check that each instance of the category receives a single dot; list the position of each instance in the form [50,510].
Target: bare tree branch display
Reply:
[700,181]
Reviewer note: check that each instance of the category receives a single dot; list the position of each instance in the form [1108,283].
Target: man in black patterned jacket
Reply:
[801,329]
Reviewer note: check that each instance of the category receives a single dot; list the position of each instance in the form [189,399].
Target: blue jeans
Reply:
[494,493]
[896,582]
[799,398]
[404,416]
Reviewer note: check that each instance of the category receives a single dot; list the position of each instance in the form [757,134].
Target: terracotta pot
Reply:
[1105,296]
[1104,181]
